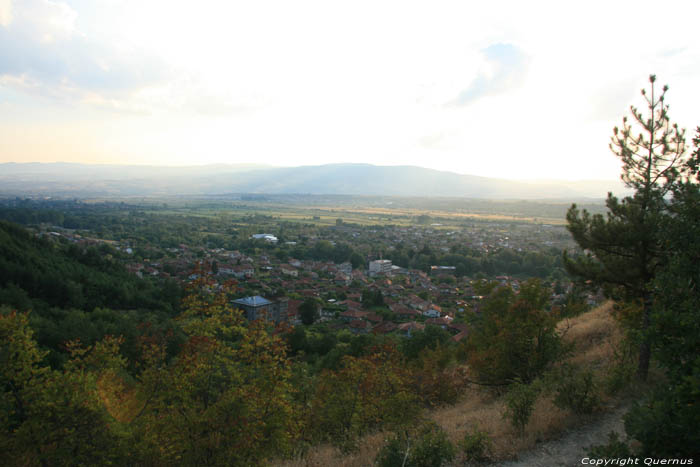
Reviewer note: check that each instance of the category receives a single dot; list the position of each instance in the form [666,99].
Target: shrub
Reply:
[666,424]
[476,446]
[615,449]
[618,377]
[520,401]
[428,447]
[576,391]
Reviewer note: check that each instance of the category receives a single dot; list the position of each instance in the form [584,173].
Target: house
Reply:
[293,310]
[243,271]
[403,312]
[442,270]
[406,329]
[384,327]
[342,279]
[345,268]
[432,312]
[379,266]
[257,307]
[289,270]
[443,322]
[374,318]
[359,327]
[264,236]
[351,304]
[353,315]
[417,303]
[225,268]
[458,337]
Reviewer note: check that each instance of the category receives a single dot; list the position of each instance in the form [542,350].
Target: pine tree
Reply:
[624,250]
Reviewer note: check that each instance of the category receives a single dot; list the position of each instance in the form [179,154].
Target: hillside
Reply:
[77,293]
[596,340]
[61,179]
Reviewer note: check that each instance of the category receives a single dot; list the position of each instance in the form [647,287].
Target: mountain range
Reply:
[92,180]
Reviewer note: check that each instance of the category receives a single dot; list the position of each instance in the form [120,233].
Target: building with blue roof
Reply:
[257,307]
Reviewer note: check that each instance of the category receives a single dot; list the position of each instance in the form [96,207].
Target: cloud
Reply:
[48,56]
[505,67]
[5,12]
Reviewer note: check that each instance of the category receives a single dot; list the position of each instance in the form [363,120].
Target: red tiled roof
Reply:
[384,327]
[354,314]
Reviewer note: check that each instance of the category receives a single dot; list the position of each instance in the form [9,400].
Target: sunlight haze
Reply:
[509,89]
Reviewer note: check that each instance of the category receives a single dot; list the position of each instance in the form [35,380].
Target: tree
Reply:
[515,338]
[666,424]
[50,417]
[224,400]
[624,250]
[308,311]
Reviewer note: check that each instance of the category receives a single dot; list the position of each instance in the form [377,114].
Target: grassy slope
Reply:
[595,337]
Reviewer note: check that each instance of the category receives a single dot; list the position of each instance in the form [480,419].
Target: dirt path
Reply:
[568,450]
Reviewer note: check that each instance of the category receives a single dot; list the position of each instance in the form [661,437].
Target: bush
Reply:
[666,424]
[615,449]
[394,452]
[576,391]
[520,401]
[618,377]
[476,446]
[428,447]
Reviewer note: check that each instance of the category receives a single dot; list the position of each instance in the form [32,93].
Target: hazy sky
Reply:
[514,89]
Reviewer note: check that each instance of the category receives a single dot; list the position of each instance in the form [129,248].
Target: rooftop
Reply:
[253,301]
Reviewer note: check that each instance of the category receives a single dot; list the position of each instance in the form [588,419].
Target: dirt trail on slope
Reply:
[573,446]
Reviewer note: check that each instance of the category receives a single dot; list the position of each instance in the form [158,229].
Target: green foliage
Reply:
[515,338]
[69,277]
[621,370]
[520,402]
[435,380]
[54,417]
[476,446]
[225,399]
[646,252]
[372,298]
[429,338]
[364,394]
[73,292]
[576,390]
[426,447]
[624,250]
[666,424]
[614,449]
[308,311]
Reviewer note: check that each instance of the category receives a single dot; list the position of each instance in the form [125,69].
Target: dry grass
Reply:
[594,336]
[479,410]
[328,456]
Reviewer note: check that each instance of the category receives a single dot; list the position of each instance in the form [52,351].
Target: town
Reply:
[376,278]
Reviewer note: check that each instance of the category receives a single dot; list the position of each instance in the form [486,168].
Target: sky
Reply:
[509,89]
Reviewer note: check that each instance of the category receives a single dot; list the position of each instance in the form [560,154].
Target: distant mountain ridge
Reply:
[68,179]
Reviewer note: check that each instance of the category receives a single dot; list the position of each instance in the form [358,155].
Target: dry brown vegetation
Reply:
[595,339]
